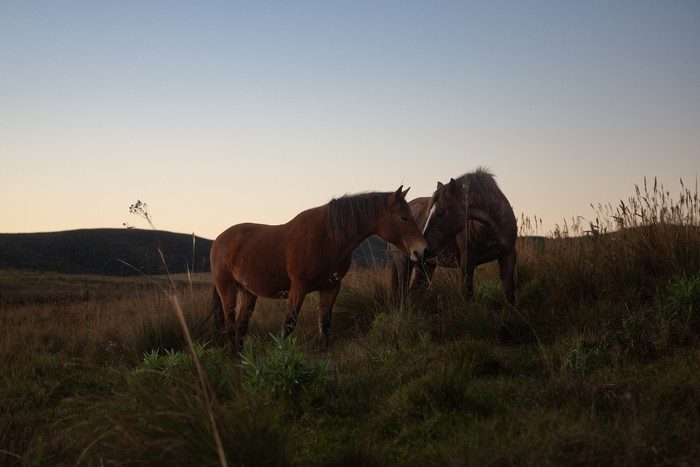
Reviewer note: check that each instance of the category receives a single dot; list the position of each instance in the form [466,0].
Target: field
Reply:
[599,362]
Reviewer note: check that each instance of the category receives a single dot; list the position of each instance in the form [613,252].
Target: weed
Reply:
[385,355]
[683,298]
[279,370]
[490,294]
[141,209]
[584,357]
[176,367]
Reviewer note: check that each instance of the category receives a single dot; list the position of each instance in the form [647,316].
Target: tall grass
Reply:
[206,392]
[599,363]
[627,254]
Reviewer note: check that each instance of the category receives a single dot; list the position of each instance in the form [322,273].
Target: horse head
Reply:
[447,214]
[399,227]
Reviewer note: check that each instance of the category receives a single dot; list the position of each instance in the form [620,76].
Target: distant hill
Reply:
[372,253]
[104,252]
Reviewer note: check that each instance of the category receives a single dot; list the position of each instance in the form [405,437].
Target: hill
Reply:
[104,252]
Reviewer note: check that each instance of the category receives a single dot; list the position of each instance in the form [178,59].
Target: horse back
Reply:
[241,252]
[265,259]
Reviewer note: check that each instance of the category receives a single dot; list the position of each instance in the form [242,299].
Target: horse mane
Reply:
[481,183]
[346,213]
[483,192]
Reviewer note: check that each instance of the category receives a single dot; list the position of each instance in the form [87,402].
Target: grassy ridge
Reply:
[104,252]
[598,364]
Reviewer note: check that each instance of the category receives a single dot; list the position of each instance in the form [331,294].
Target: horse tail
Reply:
[217,309]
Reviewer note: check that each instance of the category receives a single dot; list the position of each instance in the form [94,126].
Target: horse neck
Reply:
[347,241]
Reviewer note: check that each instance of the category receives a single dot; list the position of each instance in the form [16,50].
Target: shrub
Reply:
[683,298]
[177,367]
[584,357]
[490,294]
[278,371]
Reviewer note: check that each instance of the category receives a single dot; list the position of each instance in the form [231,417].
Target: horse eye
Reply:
[404,219]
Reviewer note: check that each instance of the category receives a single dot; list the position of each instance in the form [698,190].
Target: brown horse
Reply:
[463,234]
[312,252]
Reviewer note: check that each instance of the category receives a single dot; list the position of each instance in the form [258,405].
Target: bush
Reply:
[683,298]
[278,371]
[177,367]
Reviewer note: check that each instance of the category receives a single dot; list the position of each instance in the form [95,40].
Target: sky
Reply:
[221,112]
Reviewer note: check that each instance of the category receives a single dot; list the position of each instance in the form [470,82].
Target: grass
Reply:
[598,364]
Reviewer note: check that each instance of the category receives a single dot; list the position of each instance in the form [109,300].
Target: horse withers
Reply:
[311,252]
[467,222]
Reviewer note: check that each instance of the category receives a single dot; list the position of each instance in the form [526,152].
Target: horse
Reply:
[462,234]
[312,252]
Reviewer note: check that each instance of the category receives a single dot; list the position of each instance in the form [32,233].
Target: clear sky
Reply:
[221,112]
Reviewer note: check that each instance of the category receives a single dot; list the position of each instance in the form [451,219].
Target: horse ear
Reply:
[452,186]
[440,185]
[405,192]
[394,197]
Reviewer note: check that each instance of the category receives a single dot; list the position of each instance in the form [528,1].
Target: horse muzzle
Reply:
[419,254]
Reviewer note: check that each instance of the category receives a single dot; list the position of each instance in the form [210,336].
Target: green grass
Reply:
[599,363]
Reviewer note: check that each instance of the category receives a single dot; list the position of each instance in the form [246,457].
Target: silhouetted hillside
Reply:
[372,252]
[104,252]
[101,251]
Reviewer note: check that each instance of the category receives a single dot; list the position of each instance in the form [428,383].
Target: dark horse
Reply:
[462,234]
[312,252]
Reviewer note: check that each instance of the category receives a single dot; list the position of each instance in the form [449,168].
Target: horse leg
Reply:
[297,294]
[325,307]
[467,271]
[245,308]
[401,268]
[217,309]
[506,265]
[228,292]
[467,264]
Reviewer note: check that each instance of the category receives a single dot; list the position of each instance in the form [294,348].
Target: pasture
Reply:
[599,363]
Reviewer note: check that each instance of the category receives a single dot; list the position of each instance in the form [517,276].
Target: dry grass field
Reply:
[599,363]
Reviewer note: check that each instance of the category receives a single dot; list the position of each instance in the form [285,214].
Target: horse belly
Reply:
[258,266]
[263,283]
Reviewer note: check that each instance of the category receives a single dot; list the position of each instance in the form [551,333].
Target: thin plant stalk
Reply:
[203,381]
[141,209]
